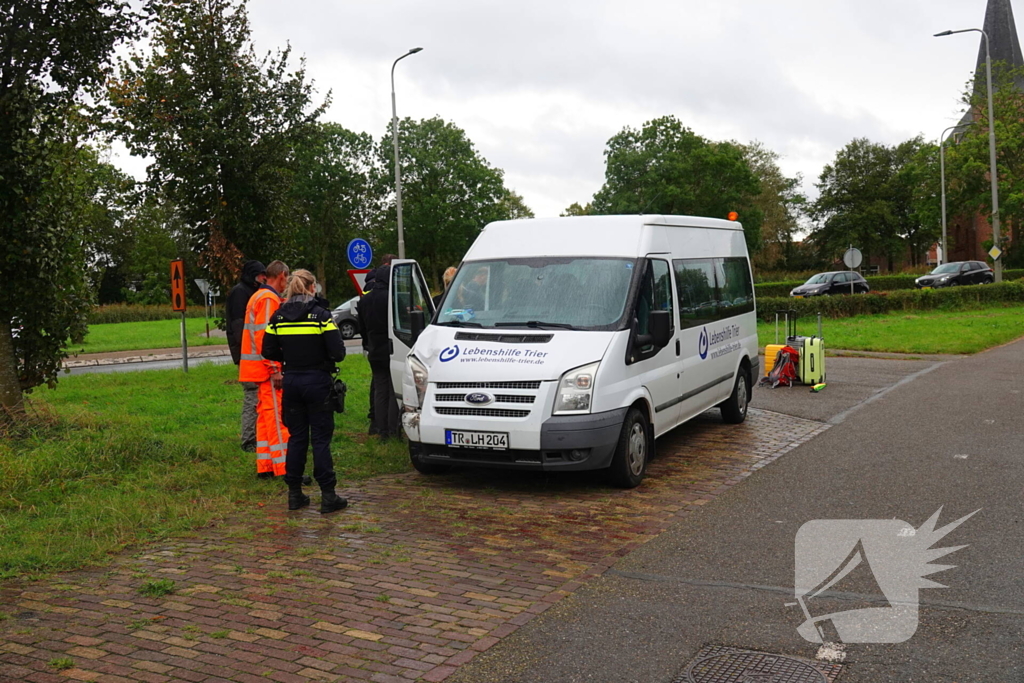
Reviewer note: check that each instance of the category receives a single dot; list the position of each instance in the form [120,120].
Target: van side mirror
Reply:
[417,323]
[660,323]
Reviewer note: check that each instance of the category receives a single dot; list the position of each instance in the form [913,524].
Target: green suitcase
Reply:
[811,366]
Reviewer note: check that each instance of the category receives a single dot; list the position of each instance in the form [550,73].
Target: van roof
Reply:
[580,235]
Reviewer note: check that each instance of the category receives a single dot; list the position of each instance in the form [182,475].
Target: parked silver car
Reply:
[346,319]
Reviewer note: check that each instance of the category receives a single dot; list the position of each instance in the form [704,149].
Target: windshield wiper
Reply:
[460,323]
[537,324]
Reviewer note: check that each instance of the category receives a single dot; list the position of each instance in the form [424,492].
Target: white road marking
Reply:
[831,652]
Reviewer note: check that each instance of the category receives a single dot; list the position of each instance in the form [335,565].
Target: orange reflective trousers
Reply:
[271,434]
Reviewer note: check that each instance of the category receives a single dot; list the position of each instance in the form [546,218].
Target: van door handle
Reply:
[677,347]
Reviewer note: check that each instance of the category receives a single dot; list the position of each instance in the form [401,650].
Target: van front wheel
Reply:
[734,410]
[632,451]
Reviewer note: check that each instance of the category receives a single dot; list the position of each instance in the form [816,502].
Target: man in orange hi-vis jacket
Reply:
[271,434]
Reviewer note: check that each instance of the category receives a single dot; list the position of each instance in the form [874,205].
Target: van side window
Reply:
[655,295]
[735,290]
[695,282]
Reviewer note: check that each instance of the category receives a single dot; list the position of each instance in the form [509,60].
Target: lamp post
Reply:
[398,168]
[991,144]
[942,179]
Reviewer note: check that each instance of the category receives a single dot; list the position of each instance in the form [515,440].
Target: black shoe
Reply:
[331,502]
[264,475]
[297,499]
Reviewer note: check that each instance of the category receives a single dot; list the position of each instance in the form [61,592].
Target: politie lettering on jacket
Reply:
[482,355]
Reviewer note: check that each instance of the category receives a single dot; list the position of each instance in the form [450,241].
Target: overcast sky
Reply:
[540,85]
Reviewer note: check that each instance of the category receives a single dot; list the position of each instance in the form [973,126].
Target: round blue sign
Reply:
[359,253]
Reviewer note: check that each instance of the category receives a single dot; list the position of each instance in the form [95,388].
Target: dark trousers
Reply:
[309,417]
[385,406]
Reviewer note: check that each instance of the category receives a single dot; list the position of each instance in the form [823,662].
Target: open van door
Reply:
[410,308]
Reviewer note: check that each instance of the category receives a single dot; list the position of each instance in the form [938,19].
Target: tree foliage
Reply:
[967,159]
[449,193]
[780,203]
[50,54]
[666,168]
[219,123]
[333,197]
[874,197]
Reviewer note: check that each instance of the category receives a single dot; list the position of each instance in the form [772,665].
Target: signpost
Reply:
[360,255]
[179,303]
[358,278]
[852,258]
[210,294]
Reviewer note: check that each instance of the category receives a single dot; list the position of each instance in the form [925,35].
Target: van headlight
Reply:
[576,391]
[418,372]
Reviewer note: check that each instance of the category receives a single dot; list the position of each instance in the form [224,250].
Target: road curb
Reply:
[95,362]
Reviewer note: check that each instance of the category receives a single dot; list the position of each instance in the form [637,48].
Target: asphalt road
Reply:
[905,443]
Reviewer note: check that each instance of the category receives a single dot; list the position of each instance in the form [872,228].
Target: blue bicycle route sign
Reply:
[359,253]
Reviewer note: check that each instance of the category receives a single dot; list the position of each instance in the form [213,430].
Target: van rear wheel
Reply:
[734,410]
[629,464]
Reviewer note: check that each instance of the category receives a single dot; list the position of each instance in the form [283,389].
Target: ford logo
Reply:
[479,398]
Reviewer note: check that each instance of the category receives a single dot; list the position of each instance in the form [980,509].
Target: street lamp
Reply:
[942,179]
[991,144]
[398,169]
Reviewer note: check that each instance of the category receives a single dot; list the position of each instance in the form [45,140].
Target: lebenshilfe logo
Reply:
[876,562]
[703,344]
[449,353]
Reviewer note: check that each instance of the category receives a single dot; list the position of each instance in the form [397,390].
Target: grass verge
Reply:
[111,460]
[938,332]
[151,334]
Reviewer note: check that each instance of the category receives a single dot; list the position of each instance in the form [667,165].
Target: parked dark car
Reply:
[346,319]
[955,274]
[832,283]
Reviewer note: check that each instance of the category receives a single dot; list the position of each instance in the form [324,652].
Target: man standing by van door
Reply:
[254,274]
[373,319]
[271,434]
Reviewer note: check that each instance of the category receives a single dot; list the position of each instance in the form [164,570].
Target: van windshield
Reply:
[579,293]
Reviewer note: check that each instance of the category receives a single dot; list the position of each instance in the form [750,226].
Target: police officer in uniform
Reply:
[303,336]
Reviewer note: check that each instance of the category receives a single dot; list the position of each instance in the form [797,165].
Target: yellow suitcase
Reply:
[771,351]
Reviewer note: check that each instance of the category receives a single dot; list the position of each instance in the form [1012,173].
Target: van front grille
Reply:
[488,385]
[500,398]
[481,412]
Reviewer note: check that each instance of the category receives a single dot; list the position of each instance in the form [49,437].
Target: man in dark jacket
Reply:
[373,323]
[367,284]
[254,274]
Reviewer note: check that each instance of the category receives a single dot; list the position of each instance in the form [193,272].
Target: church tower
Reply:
[970,232]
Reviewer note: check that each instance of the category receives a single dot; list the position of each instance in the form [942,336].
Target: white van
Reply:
[571,343]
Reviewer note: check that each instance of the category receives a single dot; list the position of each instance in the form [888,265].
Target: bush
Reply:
[134,313]
[955,298]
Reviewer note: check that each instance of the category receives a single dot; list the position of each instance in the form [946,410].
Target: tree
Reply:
[876,198]
[666,168]
[449,193]
[780,202]
[969,190]
[50,54]
[332,196]
[219,123]
[575,209]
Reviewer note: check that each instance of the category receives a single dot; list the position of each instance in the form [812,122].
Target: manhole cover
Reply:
[731,665]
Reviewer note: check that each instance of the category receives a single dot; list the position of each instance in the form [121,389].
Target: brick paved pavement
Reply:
[413,580]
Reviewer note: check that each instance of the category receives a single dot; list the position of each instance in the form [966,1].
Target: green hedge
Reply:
[878,283]
[955,298]
[134,313]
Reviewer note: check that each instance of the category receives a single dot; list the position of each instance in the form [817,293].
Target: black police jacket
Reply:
[303,336]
